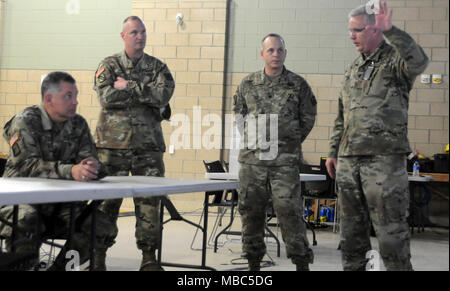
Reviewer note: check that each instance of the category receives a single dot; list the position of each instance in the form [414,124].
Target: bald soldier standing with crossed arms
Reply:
[134,89]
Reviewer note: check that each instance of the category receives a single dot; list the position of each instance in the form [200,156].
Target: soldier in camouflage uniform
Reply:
[369,145]
[264,175]
[134,89]
[52,141]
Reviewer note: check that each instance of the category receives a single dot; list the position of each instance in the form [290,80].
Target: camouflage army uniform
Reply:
[290,98]
[370,140]
[129,136]
[42,148]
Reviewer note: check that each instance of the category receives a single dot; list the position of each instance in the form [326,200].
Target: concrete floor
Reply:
[430,249]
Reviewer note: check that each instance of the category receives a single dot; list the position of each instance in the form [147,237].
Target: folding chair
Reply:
[227,199]
[2,166]
[319,190]
[223,199]
[14,260]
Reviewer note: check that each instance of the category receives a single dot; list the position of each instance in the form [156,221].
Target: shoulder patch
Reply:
[100,70]
[14,139]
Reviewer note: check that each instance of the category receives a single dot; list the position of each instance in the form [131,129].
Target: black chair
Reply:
[219,199]
[29,260]
[13,260]
[37,260]
[227,199]
[318,191]
[54,232]
[2,166]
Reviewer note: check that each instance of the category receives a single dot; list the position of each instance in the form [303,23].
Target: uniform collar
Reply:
[127,61]
[47,123]
[377,53]
[261,78]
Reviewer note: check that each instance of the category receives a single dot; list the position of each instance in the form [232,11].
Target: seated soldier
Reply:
[52,141]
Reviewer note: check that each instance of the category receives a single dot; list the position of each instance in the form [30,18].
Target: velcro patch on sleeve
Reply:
[100,71]
[14,139]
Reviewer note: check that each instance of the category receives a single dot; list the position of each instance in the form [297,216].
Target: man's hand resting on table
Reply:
[86,170]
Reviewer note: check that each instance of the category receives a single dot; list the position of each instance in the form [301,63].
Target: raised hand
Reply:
[383,20]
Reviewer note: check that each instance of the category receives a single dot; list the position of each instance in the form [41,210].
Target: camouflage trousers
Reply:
[35,221]
[259,184]
[374,188]
[122,163]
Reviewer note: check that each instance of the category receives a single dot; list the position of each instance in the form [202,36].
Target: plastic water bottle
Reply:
[416,168]
[323,211]
[323,214]
[331,219]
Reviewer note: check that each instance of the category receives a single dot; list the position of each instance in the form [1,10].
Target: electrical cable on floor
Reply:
[244,263]
[234,262]
[195,212]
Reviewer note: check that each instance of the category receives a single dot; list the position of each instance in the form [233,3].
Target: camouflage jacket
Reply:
[373,102]
[130,118]
[290,99]
[41,148]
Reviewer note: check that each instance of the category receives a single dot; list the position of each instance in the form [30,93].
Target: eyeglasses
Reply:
[356,30]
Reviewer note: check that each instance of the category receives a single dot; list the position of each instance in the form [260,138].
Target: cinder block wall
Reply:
[318,49]
[194,52]
[21,88]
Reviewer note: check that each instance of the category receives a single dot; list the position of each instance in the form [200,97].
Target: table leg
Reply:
[14,227]
[205,228]
[93,234]
[71,227]
[161,223]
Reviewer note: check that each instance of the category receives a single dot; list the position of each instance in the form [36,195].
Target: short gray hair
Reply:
[131,18]
[52,82]
[273,35]
[369,19]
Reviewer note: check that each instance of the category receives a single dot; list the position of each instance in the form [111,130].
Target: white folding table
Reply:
[235,176]
[38,190]
[14,191]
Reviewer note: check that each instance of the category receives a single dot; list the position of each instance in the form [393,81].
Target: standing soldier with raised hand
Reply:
[369,145]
